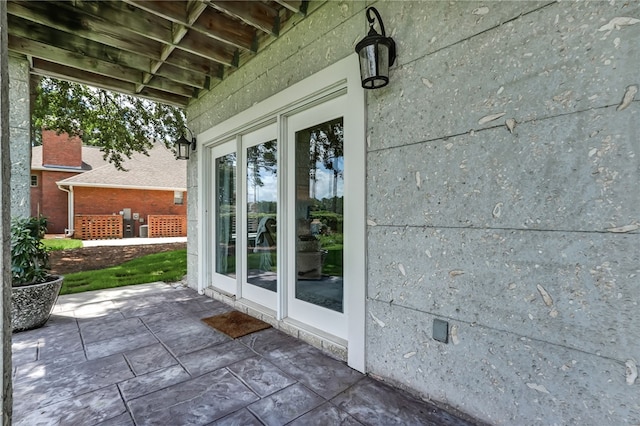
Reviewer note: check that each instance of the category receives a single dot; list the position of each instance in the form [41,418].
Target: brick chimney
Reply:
[61,150]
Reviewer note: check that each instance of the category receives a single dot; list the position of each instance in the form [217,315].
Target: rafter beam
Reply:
[295,6]
[62,72]
[72,59]
[256,14]
[28,30]
[66,18]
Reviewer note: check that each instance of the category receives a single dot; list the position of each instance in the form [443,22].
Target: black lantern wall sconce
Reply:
[377,53]
[185,146]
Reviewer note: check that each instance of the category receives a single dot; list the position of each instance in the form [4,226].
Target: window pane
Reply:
[262,196]
[319,214]
[225,175]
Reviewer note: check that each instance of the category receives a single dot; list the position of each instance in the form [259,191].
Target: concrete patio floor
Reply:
[141,356]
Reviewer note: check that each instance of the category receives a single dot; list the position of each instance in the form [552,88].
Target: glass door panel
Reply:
[225,172]
[316,237]
[319,214]
[260,204]
[224,226]
[262,190]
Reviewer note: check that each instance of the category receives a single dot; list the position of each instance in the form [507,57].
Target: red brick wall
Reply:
[112,201]
[61,150]
[50,201]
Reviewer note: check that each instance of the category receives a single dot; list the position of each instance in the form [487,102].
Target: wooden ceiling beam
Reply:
[50,69]
[168,86]
[295,6]
[216,25]
[44,35]
[151,93]
[174,11]
[194,63]
[91,29]
[62,72]
[254,13]
[125,18]
[202,19]
[209,48]
[182,75]
[187,13]
[72,59]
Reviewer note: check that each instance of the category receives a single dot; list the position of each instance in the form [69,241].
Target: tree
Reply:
[119,124]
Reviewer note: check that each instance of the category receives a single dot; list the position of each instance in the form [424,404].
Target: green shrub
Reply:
[29,257]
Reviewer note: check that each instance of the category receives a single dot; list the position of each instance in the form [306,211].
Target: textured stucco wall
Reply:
[473,224]
[507,235]
[20,131]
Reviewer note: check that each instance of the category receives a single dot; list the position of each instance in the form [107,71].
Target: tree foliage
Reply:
[120,125]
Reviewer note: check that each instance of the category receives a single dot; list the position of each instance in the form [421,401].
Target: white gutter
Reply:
[68,232]
[122,186]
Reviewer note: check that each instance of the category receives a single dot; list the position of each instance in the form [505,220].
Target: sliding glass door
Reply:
[248,207]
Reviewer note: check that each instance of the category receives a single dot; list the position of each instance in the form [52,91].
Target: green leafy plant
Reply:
[29,257]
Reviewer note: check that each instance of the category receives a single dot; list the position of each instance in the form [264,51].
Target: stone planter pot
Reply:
[31,305]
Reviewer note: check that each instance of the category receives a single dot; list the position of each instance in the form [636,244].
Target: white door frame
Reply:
[339,78]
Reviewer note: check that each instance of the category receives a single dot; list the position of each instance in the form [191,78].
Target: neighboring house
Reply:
[58,158]
[71,183]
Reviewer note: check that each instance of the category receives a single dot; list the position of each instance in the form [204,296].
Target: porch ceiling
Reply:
[167,51]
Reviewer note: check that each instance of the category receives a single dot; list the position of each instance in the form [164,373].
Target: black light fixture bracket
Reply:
[376,52]
[373,33]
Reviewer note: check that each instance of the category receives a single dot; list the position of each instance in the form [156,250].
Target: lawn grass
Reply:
[168,266]
[61,244]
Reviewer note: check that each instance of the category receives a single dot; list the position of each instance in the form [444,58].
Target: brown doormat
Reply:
[235,324]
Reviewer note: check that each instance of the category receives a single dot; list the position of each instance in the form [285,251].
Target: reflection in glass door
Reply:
[260,216]
[224,222]
[319,184]
[262,190]
[225,205]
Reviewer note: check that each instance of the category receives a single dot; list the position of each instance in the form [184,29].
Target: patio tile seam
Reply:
[168,349]
[75,396]
[309,409]
[123,331]
[194,397]
[126,408]
[244,382]
[356,421]
[82,342]
[126,361]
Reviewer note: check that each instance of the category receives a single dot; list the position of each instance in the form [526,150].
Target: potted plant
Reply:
[34,290]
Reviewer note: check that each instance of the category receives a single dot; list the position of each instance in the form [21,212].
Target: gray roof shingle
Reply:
[159,170]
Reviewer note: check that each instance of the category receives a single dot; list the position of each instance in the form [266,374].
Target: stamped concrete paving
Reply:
[141,356]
